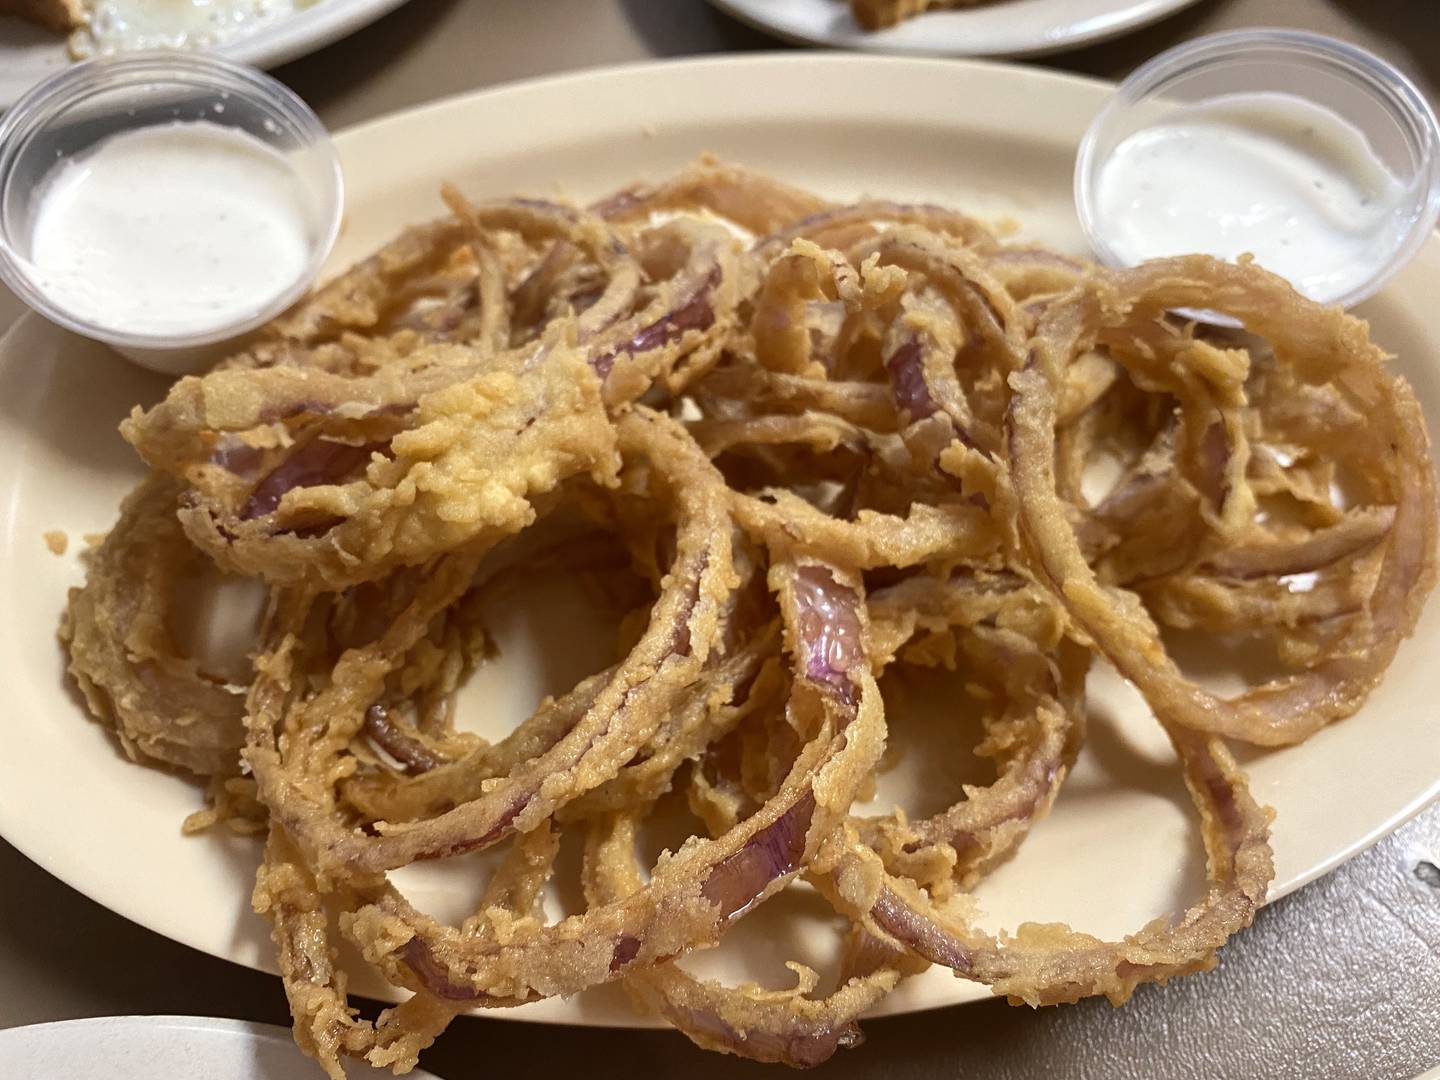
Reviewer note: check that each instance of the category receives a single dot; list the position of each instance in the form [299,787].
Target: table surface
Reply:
[1339,980]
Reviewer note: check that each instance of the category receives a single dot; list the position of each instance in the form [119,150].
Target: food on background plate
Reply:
[878,14]
[101,27]
[808,445]
[61,16]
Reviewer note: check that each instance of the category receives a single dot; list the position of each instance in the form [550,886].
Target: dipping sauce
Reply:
[178,229]
[1270,174]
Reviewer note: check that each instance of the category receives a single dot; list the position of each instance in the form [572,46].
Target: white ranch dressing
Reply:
[179,229]
[1274,175]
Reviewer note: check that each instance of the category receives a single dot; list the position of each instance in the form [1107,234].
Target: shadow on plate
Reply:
[1123,765]
[69,394]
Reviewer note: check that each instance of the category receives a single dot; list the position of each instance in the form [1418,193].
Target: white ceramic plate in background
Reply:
[161,1048]
[28,53]
[1120,848]
[994,28]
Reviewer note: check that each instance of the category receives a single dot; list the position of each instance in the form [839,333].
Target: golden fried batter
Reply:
[807,446]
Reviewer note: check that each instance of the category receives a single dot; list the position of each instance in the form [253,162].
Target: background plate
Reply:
[1120,847]
[997,28]
[29,53]
[156,1047]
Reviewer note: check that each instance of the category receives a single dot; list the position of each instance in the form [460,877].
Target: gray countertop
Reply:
[1340,980]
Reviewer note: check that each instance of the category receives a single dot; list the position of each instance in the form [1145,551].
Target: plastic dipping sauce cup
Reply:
[1316,157]
[166,204]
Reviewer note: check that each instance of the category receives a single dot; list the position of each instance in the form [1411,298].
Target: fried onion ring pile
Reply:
[820,444]
[879,14]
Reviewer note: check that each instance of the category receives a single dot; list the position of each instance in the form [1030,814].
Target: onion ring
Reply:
[791,445]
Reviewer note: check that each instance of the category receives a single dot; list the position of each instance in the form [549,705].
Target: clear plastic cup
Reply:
[1364,91]
[75,109]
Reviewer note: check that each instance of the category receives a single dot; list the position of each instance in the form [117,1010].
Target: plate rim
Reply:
[1142,13]
[318,27]
[433,111]
[836,58]
[157,1020]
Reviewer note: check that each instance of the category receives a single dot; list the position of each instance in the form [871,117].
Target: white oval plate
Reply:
[160,1048]
[995,28]
[28,53]
[1120,847]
